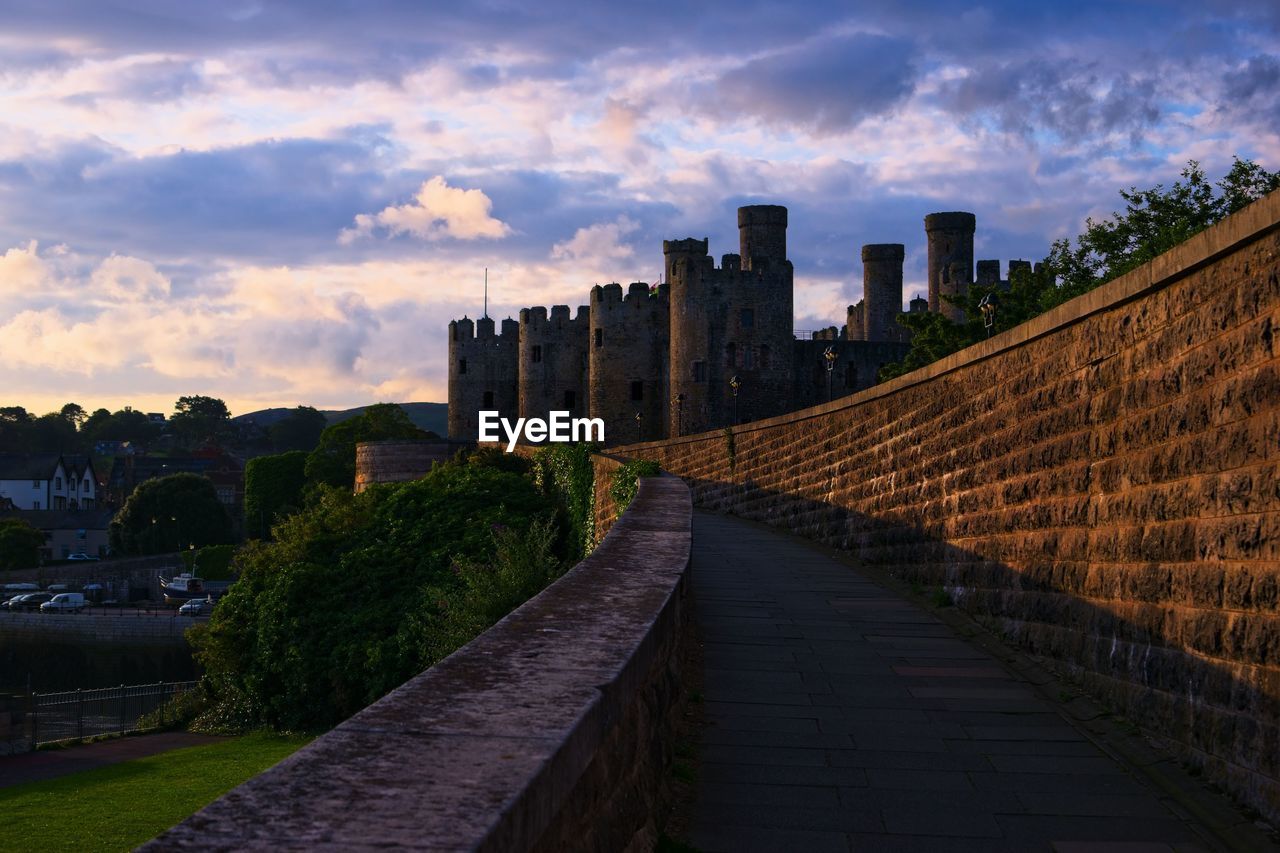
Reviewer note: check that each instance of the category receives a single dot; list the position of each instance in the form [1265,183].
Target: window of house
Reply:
[488,399]
[637,390]
[699,371]
[537,353]
[59,502]
[462,365]
[748,318]
[599,337]
[57,482]
[570,400]
[35,504]
[35,484]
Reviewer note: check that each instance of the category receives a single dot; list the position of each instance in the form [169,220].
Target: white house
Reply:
[47,481]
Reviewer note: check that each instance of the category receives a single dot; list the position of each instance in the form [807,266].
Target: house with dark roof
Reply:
[69,531]
[40,481]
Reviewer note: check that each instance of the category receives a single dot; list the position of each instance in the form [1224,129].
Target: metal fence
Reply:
[107,710]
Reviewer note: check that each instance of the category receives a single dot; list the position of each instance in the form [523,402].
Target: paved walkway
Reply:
[841,717]
[52,763]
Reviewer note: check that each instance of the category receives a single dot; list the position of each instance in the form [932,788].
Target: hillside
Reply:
[429,416]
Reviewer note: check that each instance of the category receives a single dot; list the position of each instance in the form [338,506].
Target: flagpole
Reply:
[486,291]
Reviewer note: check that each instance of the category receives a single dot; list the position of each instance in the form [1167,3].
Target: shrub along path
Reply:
[841,716]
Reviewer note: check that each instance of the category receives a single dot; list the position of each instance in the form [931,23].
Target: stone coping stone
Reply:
[480,751]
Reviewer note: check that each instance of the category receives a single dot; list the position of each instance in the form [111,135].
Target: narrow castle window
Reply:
[748,318]
[731,355]
[488,399]
[699,371]
[537,353]
[764,357]
[637,390]
[748,358]
[570,400]
[599,337]
[850,376]
[462,365]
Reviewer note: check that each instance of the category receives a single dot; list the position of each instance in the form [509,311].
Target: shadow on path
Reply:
[51,763]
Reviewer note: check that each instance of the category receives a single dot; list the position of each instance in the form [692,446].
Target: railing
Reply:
[108,710]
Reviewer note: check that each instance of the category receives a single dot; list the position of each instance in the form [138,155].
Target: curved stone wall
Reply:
[547,731]
[1102,484]
[400,461]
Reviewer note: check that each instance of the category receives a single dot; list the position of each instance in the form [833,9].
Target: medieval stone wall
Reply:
[1101,484]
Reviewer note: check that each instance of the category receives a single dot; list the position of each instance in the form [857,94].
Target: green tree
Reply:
[1153,222]
[199,420]
[299,430]
[20,544]
[15,429]
[170,514]
[75,413]
[273,487]
[52,433]
[333,462]
[360,592]
[127,424]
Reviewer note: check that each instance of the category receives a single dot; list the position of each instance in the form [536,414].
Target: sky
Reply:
[284,203]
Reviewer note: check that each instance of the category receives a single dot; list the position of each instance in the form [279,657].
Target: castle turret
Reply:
[762,235]
[735,320]
[919,305]
[950,237]
[483,369]
[855,321]
[628,348]
[882,290]
[988,273]
[553,361]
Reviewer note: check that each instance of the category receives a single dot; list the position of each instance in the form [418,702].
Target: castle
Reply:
[710,347]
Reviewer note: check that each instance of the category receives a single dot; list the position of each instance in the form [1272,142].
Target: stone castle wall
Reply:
[483,373]
[553,361]
[1101,484]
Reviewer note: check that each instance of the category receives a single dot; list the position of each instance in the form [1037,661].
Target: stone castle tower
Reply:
[668,353]
[733,320]
[628,348]
[552,364]
[483,372]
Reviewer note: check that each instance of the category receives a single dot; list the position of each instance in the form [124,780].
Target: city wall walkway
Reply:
[840,716]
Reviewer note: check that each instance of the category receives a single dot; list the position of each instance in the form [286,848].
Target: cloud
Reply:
[599,243]
[120,277]
[437,211]
[828,85]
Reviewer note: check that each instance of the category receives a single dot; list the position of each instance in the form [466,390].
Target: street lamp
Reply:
[679,401]
[734,385]
[988,306]
[830,358]
[639,427]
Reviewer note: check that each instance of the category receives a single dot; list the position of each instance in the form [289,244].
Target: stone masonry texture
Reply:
[1101,485]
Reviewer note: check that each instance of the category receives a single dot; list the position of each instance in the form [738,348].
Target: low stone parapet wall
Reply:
[549,731]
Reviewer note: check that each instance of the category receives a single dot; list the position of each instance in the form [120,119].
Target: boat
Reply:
[181,588]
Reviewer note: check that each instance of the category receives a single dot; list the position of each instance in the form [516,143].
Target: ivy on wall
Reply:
[565,472]
[626,481]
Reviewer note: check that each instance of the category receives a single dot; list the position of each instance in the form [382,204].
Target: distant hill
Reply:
[429,416]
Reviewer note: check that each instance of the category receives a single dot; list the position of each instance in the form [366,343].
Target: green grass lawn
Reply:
[122,805]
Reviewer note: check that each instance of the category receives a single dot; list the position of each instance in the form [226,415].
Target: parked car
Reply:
[28,601]
[197,607]
[82,556]
[64,602]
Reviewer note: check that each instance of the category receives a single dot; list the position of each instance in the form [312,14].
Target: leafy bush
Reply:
[20,544]
[360,592]
[333,462]
[273,486]
[565,473]
[211,563]
[626,481]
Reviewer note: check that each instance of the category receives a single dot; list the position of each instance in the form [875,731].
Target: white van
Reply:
[64,602]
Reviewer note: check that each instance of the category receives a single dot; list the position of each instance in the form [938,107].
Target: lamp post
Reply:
[679,401]
[829,359]
[639,426]
[988,306]
[735,384]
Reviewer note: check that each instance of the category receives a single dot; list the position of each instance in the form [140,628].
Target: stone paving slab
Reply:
[842,717]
